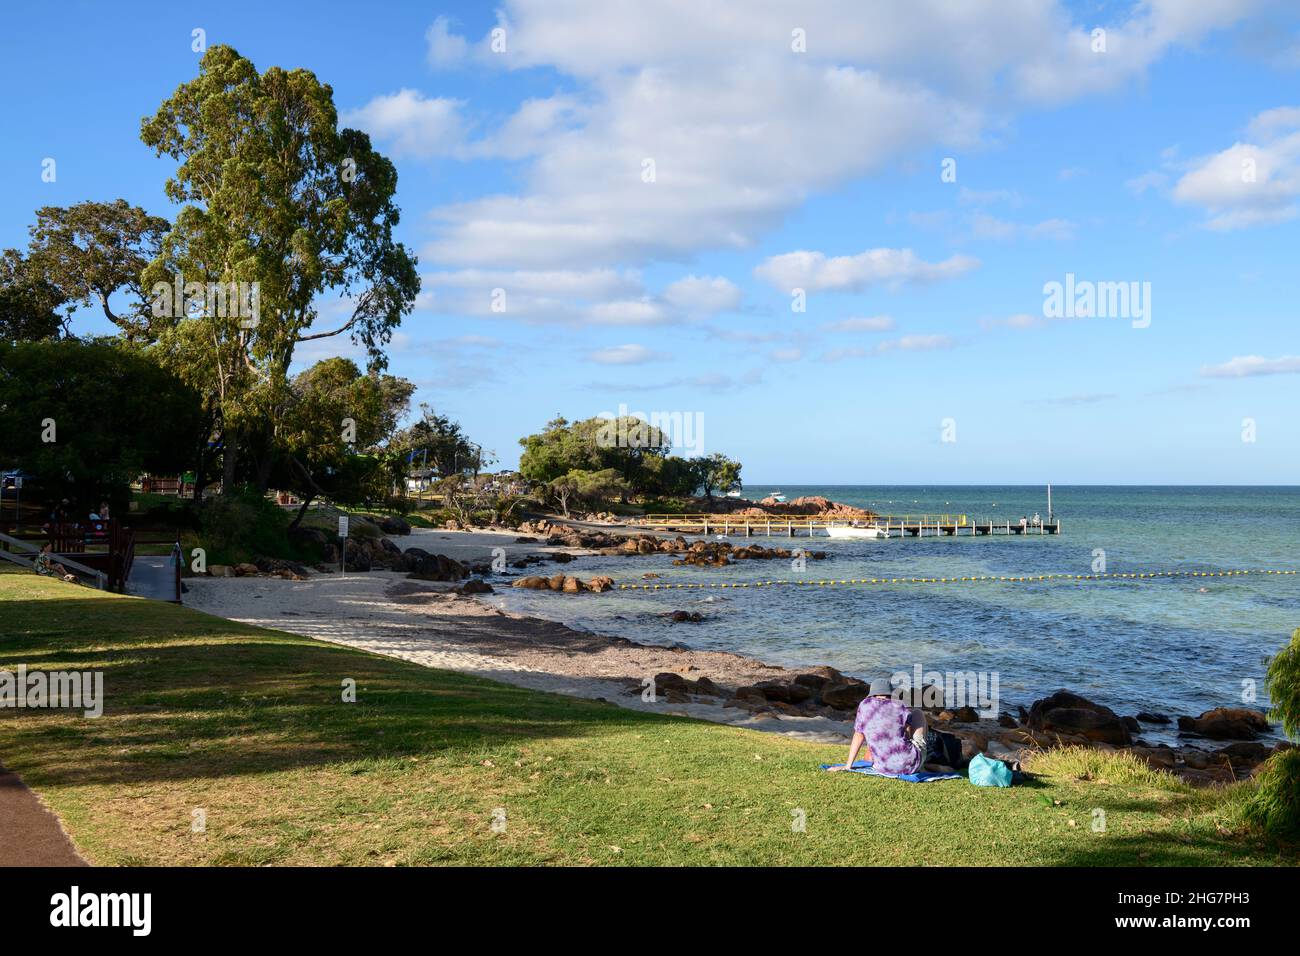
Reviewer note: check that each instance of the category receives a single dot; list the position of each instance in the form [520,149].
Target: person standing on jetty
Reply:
[894,733]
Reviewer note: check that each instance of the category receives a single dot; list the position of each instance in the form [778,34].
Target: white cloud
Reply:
[445,49]
[626,355]
[700,295]
[1246,366]
[814,272]
[874,323]
[1153,179]
[741,129]
[410,124]
[533,128]
[984,226]
[1251,183]
[786,355]
[988,197]
[906,343]
[917,343]
[1022,320]
[644,311]
[587,297]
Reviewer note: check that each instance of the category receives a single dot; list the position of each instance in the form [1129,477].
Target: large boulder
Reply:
[313,538]
[787,692]
[1071,714]
[391,524]
[668,681]
[1226,723]
[435,567]
[844,695]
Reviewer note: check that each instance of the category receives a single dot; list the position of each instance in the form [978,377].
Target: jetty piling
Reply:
[892,526]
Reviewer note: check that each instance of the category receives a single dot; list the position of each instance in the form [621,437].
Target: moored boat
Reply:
[855,531]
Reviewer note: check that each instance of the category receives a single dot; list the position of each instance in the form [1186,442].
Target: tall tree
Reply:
[276,198]
[93,250]
[441,442]
[717,472]
[88,417]
[626,444]
[337,415]
[29,304]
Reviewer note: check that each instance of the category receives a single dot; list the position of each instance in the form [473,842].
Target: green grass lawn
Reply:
[249,726]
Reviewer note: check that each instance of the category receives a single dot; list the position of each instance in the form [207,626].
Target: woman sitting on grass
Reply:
[47,566]
[894,733]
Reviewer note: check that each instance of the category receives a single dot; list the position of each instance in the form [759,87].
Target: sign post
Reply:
[343,550]
[18,502]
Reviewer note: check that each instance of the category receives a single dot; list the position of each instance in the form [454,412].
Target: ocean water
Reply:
[1177,646]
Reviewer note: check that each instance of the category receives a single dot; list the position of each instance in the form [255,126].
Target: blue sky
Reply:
[775,169]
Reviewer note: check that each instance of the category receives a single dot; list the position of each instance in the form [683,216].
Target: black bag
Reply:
[942,747]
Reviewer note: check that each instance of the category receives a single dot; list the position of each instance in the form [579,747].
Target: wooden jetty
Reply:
[893,526]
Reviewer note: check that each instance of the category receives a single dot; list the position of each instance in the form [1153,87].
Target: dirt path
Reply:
[29,834]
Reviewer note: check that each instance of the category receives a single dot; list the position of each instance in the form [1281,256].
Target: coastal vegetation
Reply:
[278,209]
[603,460]
[1275,804]
[431,766]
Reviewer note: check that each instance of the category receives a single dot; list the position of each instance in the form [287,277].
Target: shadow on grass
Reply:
[189,696]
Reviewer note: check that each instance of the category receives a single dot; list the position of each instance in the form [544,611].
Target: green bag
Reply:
[985,772]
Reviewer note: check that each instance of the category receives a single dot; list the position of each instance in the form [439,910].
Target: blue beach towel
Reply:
[925,776]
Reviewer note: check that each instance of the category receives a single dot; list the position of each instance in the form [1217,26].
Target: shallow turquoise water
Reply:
[1159,644]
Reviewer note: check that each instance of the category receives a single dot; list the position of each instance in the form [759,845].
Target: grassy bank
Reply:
[248,725]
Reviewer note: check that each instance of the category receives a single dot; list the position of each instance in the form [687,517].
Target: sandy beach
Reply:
[426,622]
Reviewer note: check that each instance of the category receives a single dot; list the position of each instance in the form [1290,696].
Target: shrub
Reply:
[1274,806]
[245,525]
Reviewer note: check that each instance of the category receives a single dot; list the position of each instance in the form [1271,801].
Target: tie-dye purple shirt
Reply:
[883,721]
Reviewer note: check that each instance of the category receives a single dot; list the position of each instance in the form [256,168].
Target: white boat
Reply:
[777,496]
[733,494]
[852,531]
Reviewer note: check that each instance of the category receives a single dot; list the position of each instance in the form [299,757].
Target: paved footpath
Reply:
[29,834]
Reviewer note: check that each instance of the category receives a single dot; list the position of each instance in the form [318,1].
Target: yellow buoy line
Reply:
[1131,575]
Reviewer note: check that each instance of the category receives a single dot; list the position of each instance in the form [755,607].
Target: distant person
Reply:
[895,735]
[1023,521]
[48,567]
[1038,520]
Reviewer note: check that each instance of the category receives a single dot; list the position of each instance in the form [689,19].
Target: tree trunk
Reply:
[229,454]
[264,472]
[201,471]
[297,519]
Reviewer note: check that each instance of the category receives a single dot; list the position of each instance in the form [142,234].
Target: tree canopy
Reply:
[88,417]
[92,250]
[29,304]
[328,434]
[276,198]
[627,448]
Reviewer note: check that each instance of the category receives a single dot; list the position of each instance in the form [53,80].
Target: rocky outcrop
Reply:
[844,695]
[564,583]
[1067,713]
[813,506]
[434,567]
[1226,723]
[685,617]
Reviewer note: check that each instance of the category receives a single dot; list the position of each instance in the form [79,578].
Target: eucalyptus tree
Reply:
[91,251]
[284,235]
